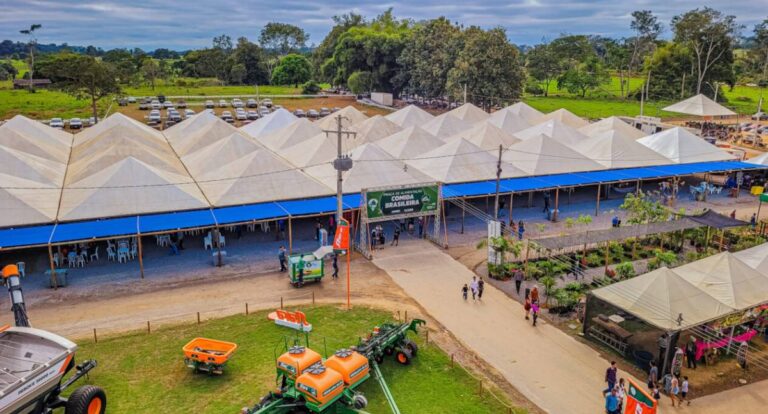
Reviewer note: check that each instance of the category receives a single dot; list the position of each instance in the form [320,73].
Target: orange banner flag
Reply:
[341,238]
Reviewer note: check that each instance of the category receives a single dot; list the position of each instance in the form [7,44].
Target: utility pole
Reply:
[465,93]
[498,184]
[32,41]
[341,163]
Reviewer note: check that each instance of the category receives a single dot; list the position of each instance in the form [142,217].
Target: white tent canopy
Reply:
[508,121]
[35,138]
[524,111]
[615,150]
[316,150]
[681,146]
[761,159]
[410,116]
[612,123]
[700,105]
[727,279]
[469,113]
[198,131]
[446,125]
[563,115]
[556,129]
[292,134]
[374,129]
[461,161]
[219,153]
[410,142]
[755,257]
[274,121]
[543,155]
[349,116]
[486,136]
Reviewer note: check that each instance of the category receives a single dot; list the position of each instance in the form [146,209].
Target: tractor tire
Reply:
[404,356]
[87,399]
[359,401]
[378,358]
[411,346]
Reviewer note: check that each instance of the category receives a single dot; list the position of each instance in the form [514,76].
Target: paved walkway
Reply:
[752,398]
[556,372]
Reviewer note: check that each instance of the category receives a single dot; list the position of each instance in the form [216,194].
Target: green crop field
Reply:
[145,373]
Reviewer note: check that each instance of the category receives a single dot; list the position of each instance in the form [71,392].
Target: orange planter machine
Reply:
[208,355]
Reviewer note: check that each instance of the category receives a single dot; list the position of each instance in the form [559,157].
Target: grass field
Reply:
[208,87]
[145,373]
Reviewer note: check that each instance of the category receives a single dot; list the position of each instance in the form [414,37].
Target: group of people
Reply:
[531,304]
[476,287]
[379,238]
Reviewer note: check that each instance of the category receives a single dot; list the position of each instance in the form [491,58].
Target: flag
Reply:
[638,401]
[341,238]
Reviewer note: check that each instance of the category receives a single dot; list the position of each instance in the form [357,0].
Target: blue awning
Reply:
[252,212]
[351,200]
[469,189]
[175,221]
[309,206]
[523,184]
[25,236]
[85,230]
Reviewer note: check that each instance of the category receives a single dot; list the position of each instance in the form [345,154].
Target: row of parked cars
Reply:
[73,123]
[172,116]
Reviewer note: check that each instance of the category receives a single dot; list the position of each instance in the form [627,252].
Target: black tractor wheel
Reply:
[87,399]
[411,346]
[378,358]
[359,401]
[404,356]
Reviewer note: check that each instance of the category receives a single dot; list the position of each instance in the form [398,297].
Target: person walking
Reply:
[653,376]
[520,230]
[464,291]
[281,257]
[611,402]
[690,353]
[610,377]
[733,214]
[535,295]
[684,392]
[480,288]
[674,390]
[753,221]
[335,274]
[396,237]
[518,280]
[621,393]
[527,307]
[656,393]
[473,287]
[663,344]
[546,202]
[421,227]
[180,238]
[535,312]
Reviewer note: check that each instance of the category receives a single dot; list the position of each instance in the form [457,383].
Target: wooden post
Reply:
[141,255]
[557,204]
[527,250]
[487,201]
[637,190]
[149,328]
[634,249]
[246,303]
[452,356]
[463,202]
[290,236]
[95,338]
[722,240]
[198,318]
[281,302]
[661,241]
[53,267]
[218,245]
[597,205]
[511,200]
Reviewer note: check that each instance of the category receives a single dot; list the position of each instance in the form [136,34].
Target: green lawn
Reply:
[208,87]
[145,373]
[43,104]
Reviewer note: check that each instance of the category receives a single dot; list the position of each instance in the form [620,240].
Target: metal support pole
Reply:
[498,184]
[597,205]
[53,267]
[557,205]
[290,236]
[511,199]
[141,254]
[463,202]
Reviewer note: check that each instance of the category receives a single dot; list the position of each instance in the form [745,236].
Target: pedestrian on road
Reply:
[612,403]
[610,377]
[690,353]
[656,393]
[473,286]
[546,202]
[753,221]
[535,312]
[653,376]
[464,291]
[281,257]
[518,280]
[535,295]
[527,306]
[674,390]
[520,230]
[335,274]
[480,288]
[684,392]
[396,237]
[733,214]
[663,344]
[621,392]
[421,227]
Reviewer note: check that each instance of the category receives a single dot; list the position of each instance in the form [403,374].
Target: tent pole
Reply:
[557,204]
[530,199]
[53,267]
[141,254]
[511,199]
[290,236]
[706,240]
[597,205]
[445,225]
[463,201]
[722,237]
[607,245]
[637,191]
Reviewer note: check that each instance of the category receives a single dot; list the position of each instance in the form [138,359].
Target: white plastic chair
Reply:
[56,259]
[71,258]
[222,241]
[207,244]
[111,253]
[122,256]
[134,251]
[251,227]
[22,269]
[80,262]
[265,227]
[95,254]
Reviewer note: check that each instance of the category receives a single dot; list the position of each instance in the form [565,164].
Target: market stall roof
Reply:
[220,153]
[525,111]
[755,257]
[556,129]
[699,105]
[292,134]
[198,131]
[461,161]
[278,119]
[446,125]
[508,121]
[563,115]
[349,114]
[727,279]
[469,113]
[410,142]
[761,159]
[681,146]
[714,219]
[316,150]
[410,116]
[665,299]
[612,123]
[613,149]
[541,155]
[374,129]
[486,136]
[614,233]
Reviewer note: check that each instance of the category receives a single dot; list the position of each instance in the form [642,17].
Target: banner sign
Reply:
[341,238]
[399,201]
[639,401]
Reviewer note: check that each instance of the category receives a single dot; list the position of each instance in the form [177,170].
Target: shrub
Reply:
[360,82]
[595,260]
[533,88]
[310,88]
[565,298]
[625,270]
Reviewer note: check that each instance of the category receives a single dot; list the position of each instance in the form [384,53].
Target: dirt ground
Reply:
[120,307]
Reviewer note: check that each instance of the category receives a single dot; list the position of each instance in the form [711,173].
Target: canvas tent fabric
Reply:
[755,257]
[461,161]
[446,125]
[563,115]
[486,136]
[220,153]
[349,116]
[699,105]
[316,150]
[35,138]
[524,111]
[410,142]
[508,121]
[542,155]
[410,116]
[761,159]
[469,113]
[278,119]
[681,146]
[714,219]
[613,149]
[292,134]
[612,123]
[197,132]
[374,129]
[727,279]
[556,129]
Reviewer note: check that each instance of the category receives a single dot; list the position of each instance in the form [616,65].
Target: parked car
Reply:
[227,116]
[168,104]
[324,111]
[155,104]
[276,107]
[181,104]
[237,103]
[335,109]
[251,103]
[174,116]
[75,123]
[90,122]
[312,114]
[131,99]
[170,109]
[263,112]
[222,103]
[144,105]
[760,116]
[240,114]
[188,113]
[267,103]
[56,123]
[209,104]
[122,102]
[252,115]
[154,116]
[169,123]
[299,113]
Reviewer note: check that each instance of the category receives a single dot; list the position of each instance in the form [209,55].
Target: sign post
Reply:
[638,400]
[341,243]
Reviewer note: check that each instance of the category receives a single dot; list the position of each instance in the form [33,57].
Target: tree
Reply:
[84,77]
[572,50]
[642,210]
[711,37]
[252,57]
[584,77]
[7,71]
[543,65]
[150,70]
[310,88]
[360,82]
[428,57]
[223,43]
[292,70]
[758,55]
[32,42]
[237,73]
[488,65]
[322,56]
[647,29]
[283,38]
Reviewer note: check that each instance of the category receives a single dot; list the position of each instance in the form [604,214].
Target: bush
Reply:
[360,82]
[566,299]
[595,260]
[533,88]
[625,270]
[310,88]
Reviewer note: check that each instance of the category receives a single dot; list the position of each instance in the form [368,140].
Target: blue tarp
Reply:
[252,212]
[123,226]
[469,189]
[25,236]
[310,206]
[175,221]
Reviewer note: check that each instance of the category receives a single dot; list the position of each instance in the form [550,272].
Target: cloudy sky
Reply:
[150,24]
